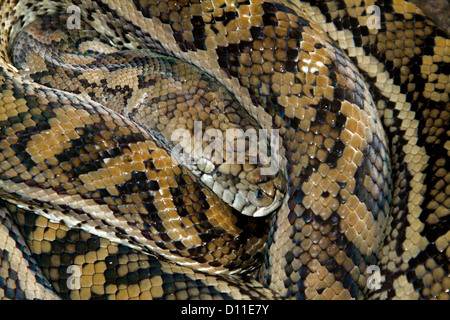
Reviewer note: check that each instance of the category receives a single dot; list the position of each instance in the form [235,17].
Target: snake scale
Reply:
[93,205]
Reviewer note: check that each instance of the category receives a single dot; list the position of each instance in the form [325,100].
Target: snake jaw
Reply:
[264,211]
[274,189]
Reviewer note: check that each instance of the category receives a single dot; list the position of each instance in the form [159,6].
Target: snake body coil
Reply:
[92,91]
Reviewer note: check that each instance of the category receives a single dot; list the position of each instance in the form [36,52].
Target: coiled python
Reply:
[93,205]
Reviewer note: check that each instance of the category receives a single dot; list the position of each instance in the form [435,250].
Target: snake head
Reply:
[266,193]
[252,193]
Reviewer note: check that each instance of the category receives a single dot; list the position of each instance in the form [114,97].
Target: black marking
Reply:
[26,226]
[335,154]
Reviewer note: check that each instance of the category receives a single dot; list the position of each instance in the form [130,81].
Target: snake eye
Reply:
[259,194]
[259,198]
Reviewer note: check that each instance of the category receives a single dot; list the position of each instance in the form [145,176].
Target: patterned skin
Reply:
[361,106]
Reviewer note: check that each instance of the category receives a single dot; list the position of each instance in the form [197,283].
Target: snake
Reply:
[98,200]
